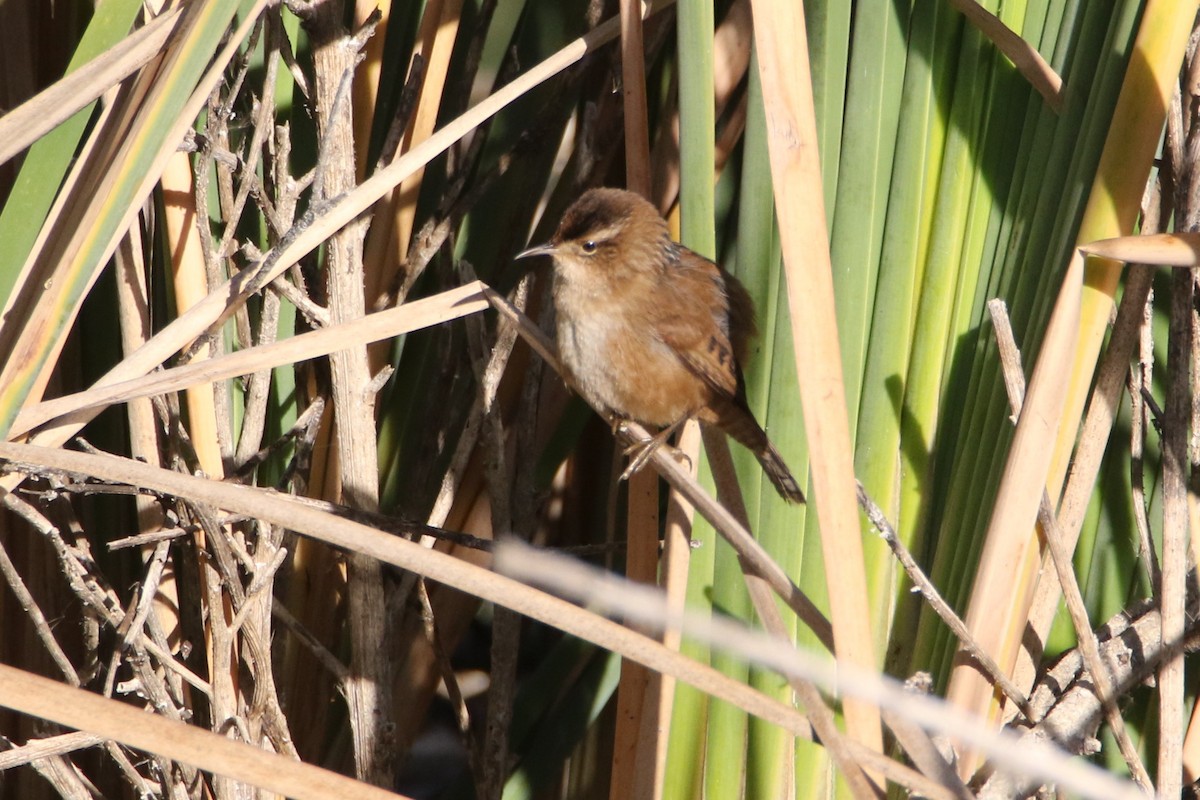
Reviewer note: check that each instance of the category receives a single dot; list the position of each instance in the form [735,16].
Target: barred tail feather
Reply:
[736,420]
[780,475]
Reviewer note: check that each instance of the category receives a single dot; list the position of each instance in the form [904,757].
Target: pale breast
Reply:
[615,363]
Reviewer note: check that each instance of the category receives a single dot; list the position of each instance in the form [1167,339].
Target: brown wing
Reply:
[707,318]
[694,321]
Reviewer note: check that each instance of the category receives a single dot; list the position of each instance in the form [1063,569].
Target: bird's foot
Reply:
[642,451]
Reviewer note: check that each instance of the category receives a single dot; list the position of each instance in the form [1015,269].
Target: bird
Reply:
[650,331]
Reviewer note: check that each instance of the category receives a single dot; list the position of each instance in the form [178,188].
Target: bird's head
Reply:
[607,234]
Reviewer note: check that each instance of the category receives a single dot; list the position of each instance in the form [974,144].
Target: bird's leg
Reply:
[641,451]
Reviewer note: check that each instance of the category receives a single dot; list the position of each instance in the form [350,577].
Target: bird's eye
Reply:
[589,246]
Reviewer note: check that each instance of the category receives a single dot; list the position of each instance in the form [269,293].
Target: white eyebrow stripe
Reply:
[605,233]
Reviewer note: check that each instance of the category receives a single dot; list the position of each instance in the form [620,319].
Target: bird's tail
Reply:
[738,421]
[780,475]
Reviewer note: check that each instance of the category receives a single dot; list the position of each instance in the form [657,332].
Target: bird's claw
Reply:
[641,452]
[644,449]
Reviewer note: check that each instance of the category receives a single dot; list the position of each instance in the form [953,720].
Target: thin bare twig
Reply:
[58,745]
[938,603]
[314,645]
[27,602]
[449,679]
[1088,646]
[506,623]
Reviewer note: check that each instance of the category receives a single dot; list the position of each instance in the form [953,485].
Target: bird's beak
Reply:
[540,250]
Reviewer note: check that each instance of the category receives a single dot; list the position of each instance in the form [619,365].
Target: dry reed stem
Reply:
[188,270]
[1025,57]
[641,733]
[365,88]
[389,237]
[288,513]
[1003,587]
[133,310]
[1060,555]
[419,314]
[1097,426]
[674,566]
[1180,249]
[28,122]
[781,38]
[636,742]
[731,60]
[633,93]
[369,688]
[90,713]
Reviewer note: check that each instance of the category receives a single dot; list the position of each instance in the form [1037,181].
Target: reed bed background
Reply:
[282,422]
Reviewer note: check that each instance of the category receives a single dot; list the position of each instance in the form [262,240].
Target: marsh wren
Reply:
[649,330]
